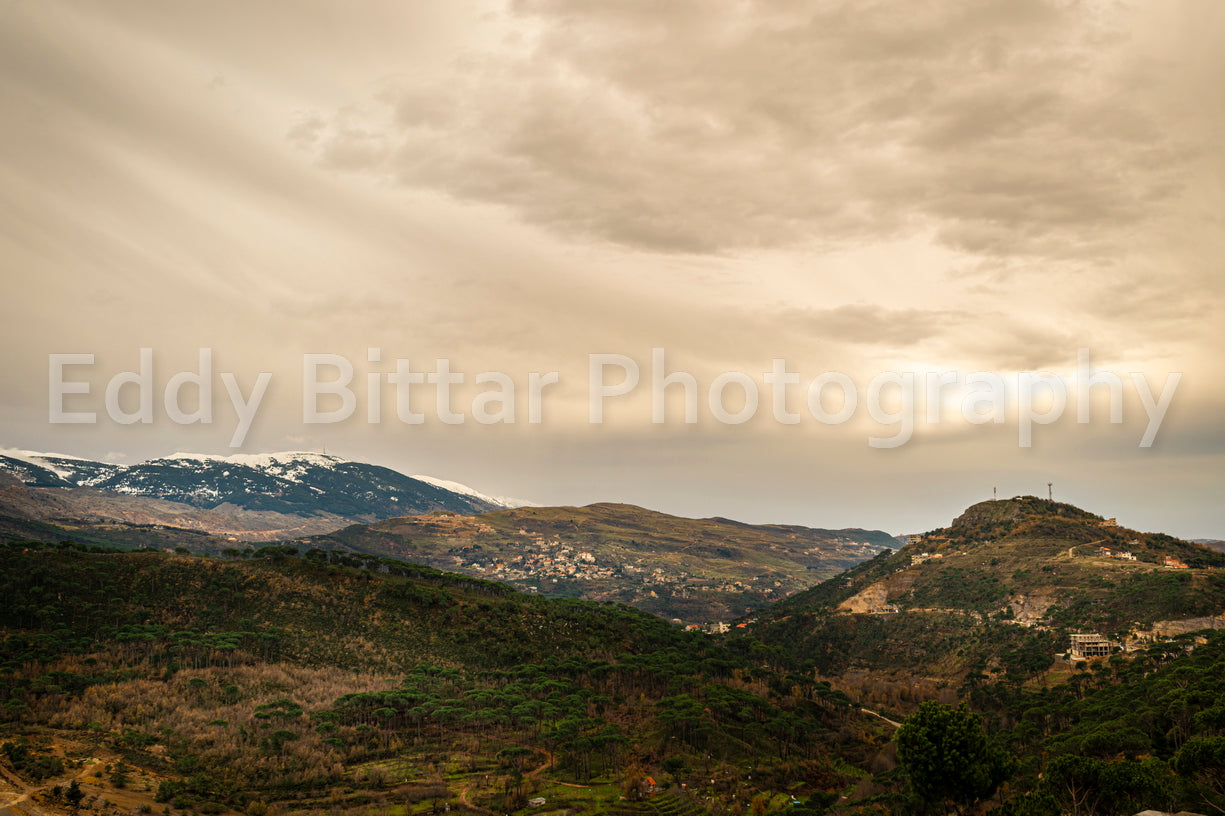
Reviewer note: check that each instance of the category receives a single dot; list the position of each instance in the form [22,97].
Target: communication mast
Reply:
[1050,491]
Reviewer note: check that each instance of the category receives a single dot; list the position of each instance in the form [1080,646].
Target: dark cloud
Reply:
[856,186]
[1008,128]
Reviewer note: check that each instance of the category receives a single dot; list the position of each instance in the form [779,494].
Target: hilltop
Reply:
[690,569]
[995,594]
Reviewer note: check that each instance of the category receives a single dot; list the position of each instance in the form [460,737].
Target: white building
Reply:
[1090,644]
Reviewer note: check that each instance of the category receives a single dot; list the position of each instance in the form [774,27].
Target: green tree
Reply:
[1084,786]
[949,758]
[73,795]
[1203,762]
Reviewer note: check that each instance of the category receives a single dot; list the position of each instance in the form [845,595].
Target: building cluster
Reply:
[1121,554]
[716,628]
[553,560]
[921,557]
[541,559]
[1173,563]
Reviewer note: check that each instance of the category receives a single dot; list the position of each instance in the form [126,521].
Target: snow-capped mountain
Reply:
[294,482]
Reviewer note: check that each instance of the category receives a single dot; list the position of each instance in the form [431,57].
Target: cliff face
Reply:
[1173,628]
[1030,608]
[879,593]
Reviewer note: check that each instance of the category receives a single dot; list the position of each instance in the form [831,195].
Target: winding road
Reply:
[881,716]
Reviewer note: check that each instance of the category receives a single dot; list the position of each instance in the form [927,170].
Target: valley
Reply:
[693,570]
[531,660]
[697,571]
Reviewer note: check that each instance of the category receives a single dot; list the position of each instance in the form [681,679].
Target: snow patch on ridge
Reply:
[464,490]
[261,460]
[290,466]
[45,460]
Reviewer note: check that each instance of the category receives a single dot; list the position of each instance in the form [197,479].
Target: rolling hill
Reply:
[308,680]
[695,570]
[353,685]
[995,595]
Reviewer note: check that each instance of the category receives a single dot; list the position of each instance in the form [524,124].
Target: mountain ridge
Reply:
[211,501]
[696,570]
[292,482]
[288,466]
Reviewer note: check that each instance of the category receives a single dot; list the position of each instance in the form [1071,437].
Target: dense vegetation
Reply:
[295,680]
[332,682]
[1135,732]
[961,605]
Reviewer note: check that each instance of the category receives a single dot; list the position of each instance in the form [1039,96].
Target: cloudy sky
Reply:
[851,188]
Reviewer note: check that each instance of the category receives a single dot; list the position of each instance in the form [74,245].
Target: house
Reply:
[1173,563]
[1090,645]
[539,801]
[919,559]
[914,539]
[1108,523]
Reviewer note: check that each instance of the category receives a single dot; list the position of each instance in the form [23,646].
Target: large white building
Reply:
[1090,645]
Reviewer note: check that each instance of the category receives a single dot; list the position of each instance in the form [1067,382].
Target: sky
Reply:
[785,218]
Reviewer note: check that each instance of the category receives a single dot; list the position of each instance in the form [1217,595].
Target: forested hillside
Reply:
[326,681]
[994,596]
[334,683]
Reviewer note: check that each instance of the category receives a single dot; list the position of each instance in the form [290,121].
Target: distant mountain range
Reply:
[697,570]
[259,497]
[289,482]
